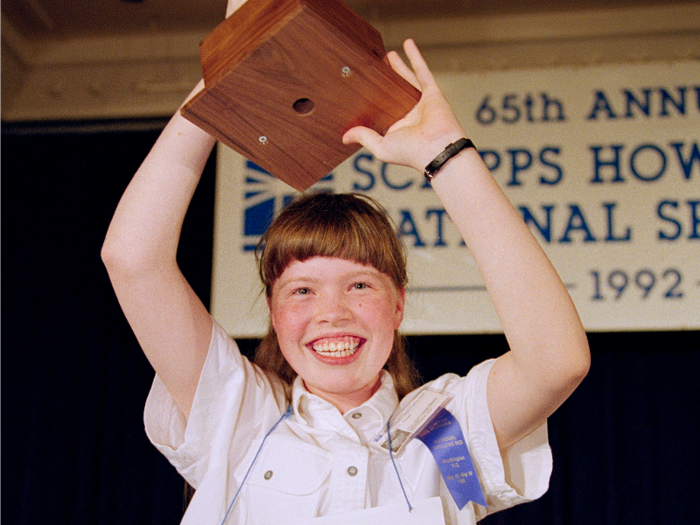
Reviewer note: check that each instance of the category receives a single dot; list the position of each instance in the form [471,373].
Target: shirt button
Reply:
[268,474]
[352,471]
[357,415]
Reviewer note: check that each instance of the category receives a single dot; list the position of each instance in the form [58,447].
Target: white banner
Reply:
[602,162]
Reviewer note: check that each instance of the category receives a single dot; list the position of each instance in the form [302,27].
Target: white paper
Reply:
[424,512]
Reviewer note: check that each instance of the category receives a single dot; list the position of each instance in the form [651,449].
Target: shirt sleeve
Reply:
[517,475]
[233,401]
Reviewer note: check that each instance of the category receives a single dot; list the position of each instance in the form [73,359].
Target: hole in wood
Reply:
[304,106]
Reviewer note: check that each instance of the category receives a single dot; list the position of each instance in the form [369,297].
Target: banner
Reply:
[603,164]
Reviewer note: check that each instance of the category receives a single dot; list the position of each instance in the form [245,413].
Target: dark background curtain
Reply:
[74,380]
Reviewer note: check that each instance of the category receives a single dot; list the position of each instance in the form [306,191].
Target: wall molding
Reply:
[149,75]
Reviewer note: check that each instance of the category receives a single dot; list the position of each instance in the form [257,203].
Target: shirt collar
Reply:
[312,410]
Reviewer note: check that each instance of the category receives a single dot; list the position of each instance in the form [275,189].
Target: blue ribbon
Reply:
[443,437]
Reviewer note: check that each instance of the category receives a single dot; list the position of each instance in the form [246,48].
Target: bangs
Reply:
[349,227]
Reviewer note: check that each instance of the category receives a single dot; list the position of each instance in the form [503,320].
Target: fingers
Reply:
[199,87]
[419,74]
[420,68]
[398,65]
[233,5]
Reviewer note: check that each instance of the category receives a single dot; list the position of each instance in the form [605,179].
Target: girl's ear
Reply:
[269,310]
[400,306]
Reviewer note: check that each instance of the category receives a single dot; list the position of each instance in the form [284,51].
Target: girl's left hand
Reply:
[425,131]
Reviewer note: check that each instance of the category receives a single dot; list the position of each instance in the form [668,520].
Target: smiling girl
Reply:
[292,436]
[336,300]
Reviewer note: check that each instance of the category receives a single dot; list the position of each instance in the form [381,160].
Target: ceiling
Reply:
[37,20]
[92,59]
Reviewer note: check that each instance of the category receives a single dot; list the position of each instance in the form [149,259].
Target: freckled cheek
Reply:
[288,321]
[378,312]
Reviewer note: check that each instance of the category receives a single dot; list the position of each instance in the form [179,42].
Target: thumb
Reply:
[363,136]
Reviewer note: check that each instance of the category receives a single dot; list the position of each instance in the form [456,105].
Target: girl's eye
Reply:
[302,291]
[360,286]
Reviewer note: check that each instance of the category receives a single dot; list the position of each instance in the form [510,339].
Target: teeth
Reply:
[342,348]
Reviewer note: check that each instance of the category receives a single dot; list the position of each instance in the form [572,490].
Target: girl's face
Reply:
[335,321]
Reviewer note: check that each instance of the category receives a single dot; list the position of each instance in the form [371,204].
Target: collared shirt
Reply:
[318,461]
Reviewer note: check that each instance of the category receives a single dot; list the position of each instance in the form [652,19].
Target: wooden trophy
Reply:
[284,80]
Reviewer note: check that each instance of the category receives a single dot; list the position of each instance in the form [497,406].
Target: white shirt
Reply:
[318,462]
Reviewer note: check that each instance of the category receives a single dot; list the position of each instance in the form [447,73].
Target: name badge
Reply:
[412,419]
[426,419]
[424,512]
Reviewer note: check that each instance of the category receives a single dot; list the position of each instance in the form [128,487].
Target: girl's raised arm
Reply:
[170,322]
[549,353]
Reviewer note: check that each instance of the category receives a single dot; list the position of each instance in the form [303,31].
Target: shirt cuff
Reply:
[518,474]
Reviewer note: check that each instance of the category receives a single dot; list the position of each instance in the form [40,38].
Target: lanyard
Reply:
[443,437]
[391,455]
[284,416]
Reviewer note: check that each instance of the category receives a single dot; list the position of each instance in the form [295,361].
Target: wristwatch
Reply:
[450,151]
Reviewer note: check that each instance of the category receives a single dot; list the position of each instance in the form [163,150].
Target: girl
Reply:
[292,438]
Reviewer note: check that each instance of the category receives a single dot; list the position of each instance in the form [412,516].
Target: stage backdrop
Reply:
[602,162]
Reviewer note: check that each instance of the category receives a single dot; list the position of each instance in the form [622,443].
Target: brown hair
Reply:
[349,226]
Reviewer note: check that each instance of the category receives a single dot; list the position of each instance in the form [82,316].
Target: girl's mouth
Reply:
[337,347]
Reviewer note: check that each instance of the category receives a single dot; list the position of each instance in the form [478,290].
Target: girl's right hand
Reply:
[233,5]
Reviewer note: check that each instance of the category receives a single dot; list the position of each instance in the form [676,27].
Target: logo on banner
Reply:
[264,197]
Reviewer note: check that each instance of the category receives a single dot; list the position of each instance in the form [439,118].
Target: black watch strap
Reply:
[450,151]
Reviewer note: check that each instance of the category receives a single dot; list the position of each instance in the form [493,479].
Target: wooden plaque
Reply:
[284,80]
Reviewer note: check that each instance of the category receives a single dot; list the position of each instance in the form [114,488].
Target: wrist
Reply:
[445,156]
[435,143]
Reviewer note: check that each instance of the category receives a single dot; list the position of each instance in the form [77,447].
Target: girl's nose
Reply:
[334,309]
